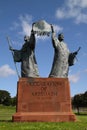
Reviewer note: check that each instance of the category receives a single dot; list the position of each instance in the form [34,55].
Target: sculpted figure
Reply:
[27,58]
[62,57]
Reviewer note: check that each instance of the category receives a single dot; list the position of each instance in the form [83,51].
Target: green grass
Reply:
[6,112]
[6,123]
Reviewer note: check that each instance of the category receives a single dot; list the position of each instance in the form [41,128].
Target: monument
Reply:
[43,99]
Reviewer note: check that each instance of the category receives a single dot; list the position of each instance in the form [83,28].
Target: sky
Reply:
[67,16]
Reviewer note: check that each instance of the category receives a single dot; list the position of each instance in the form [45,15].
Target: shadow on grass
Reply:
[81,114]
[6,121]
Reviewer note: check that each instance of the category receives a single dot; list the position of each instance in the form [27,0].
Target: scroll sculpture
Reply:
[44,99]
[42,28]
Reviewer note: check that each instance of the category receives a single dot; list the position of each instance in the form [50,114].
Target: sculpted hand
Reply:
[75,53]
[33,24]
[32,28]
[10,48]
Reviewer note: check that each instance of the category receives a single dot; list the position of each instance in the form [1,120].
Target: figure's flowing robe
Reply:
[60,64]
[29,66]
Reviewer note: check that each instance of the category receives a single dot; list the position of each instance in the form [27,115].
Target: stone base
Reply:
[43,117]
[43,100]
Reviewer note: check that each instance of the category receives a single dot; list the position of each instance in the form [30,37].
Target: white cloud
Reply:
[79,3]
[57,28]
[23,25]
[81,18]
[6,71]
[26,24]
[60,13]
[85,70]
[73,9]
[74,78]
[15,26]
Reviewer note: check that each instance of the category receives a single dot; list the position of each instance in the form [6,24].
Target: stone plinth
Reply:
[44,100]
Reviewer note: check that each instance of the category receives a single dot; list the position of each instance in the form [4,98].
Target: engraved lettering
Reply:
[51,83]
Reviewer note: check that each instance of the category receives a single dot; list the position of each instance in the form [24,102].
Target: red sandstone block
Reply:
[43,95]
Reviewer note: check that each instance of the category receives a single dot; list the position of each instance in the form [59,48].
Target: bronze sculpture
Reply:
[27,58]
[62,57]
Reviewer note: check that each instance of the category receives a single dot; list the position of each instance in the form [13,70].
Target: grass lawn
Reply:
[6,123]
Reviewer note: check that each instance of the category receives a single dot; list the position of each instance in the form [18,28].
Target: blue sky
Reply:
[67,16]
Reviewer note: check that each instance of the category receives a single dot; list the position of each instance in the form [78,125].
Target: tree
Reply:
[5,97]
[13,101]
[79,100]
[85,99]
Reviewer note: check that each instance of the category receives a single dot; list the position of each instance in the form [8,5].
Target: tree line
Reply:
[78,101]
[6,99]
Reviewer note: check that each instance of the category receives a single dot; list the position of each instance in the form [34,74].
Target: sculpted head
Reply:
[26,38]
[61,37]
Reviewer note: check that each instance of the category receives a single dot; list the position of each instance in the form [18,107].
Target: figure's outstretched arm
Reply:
[72,57]
[32,38]
[11,49]
[52,28]
[54,38]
